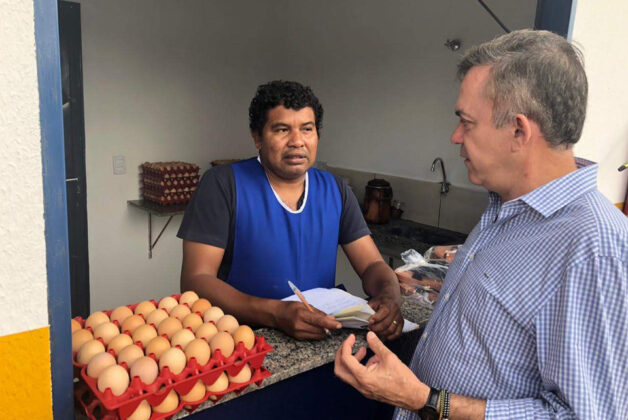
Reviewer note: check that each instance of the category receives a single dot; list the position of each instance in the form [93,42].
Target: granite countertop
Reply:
[291,357]
[399,235]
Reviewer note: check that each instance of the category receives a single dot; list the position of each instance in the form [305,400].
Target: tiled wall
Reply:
[460,208]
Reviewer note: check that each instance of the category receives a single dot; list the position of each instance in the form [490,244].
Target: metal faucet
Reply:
[444,186]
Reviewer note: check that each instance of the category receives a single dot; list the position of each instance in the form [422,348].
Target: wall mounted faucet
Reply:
[444,185]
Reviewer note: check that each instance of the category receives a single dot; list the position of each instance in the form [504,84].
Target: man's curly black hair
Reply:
[292,95]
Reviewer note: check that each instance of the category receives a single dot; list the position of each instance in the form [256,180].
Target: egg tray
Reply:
[184,381]
[95,409]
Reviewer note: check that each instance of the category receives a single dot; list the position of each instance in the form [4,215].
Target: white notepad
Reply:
[351,311]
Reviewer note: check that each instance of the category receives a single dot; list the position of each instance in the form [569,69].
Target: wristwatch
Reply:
[430,410]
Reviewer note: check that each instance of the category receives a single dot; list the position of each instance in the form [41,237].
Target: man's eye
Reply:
[308,129]
[281,130]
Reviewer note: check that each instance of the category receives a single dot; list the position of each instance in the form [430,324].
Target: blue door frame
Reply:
[55,211]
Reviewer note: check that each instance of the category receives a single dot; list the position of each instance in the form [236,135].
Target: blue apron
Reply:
[273,245]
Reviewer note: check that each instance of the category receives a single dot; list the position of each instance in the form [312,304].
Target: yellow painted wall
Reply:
[25,387]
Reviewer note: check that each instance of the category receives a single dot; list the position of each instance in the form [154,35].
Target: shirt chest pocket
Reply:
[515,295]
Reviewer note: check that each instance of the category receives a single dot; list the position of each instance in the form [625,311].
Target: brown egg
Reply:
[206,331]
[201,305]
[169,327]
[95,319]
[227,323]
[180,312]
[174,358]
[245,334]
[188,298]
[156,317]
[167,303]
[75,325]
[119,342]
[142,412]
[132,323]
[213,314]
[243,376]
[120,314]
[114,377]
[169,403]
[79,338]
[222,341]
[88,350]
[144,308]
[192,321]
[146,368]
[181,338]
[130,354]
[219,385]
[99,362]
[199,349]
[196,393]
[106,331]
[157,346]
[144,333]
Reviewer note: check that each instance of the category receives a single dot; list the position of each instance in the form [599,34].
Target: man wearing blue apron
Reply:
[254,225]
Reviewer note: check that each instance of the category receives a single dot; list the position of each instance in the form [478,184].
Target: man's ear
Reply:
[522,132]
[257,139]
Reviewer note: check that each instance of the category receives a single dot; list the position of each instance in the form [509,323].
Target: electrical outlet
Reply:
[119,165]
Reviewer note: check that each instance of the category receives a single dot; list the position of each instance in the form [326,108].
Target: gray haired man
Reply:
[531,319]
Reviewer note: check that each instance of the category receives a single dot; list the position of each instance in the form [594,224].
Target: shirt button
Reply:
[424,336]
[471,256]
[447,295]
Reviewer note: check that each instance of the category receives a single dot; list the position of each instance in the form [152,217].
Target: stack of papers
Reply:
[351,311]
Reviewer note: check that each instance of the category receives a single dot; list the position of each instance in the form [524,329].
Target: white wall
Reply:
[23,283]
[600,30]
[168,80]
[387,81]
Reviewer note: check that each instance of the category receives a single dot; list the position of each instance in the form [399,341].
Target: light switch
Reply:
[119,165]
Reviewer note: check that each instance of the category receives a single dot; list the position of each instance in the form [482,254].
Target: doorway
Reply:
[74,140]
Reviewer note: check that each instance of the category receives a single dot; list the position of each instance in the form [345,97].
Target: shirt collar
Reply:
[556,194]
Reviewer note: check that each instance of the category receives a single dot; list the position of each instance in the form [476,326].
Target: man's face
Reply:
[288,143]
[486,149]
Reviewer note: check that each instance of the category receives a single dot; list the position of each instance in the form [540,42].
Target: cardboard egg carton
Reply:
[106,405]
[168,170]
[168,183]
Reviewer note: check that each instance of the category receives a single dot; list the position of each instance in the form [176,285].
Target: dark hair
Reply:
[292,95]
[538,74]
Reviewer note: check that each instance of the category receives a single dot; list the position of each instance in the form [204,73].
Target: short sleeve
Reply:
[210,212]
[352,223]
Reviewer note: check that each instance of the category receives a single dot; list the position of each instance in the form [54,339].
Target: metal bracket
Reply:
[152,244]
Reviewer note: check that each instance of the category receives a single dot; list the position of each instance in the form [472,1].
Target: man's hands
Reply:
[387,322]
[380,282]
[297,321]
[384,378]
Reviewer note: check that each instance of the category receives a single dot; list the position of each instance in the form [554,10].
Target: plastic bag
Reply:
[421,276]
[441,253]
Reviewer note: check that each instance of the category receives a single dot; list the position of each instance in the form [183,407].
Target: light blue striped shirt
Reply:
[533,314]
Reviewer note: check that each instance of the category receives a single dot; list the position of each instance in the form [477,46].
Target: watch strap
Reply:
[431,409]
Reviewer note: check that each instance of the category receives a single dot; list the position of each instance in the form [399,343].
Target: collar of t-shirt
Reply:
[301,199]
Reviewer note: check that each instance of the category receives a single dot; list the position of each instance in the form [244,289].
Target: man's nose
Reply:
[456,136]
[296,139]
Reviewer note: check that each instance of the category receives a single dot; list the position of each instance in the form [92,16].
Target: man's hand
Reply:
[387,322]
[294,319]
[384,378]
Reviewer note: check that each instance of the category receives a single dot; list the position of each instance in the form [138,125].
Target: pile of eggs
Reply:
[151,338]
